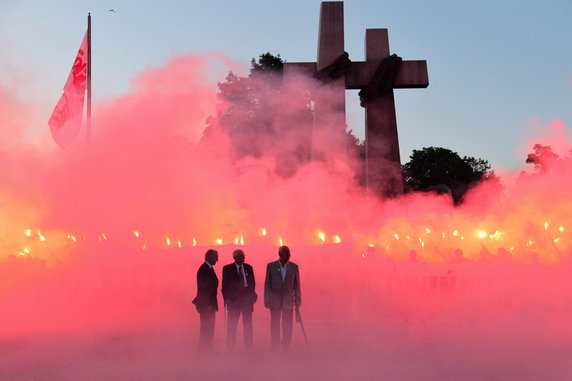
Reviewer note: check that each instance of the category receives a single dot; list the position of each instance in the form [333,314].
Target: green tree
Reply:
[263,119]
[247,113]
[542,157]
[442,170]
[266,63]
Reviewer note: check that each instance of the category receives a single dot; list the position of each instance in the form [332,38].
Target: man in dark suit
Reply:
[281,295]
[206,300]
[238,287]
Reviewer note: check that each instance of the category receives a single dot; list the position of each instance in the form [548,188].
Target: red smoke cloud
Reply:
[109,261]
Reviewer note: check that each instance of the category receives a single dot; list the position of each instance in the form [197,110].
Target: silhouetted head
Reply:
[458,253]
[284,254]
[211,257]
[412,255]
[238,256]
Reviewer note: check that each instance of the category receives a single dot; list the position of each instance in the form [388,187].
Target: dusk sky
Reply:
[498,70]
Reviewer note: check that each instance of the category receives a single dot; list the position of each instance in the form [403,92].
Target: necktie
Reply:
[241,276]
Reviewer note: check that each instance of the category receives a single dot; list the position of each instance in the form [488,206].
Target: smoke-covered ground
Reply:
[365,319]
[100,245]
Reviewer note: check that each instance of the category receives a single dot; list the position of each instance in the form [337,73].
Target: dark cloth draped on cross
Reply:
[336,69]
[382,81]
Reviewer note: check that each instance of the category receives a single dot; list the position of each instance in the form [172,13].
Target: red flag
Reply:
[66,118]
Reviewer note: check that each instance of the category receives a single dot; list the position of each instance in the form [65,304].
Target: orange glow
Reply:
[239,240]
[223,201]
[441,243]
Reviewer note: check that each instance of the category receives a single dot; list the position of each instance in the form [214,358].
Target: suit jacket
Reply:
[233,290]
[207,285]
[280,293]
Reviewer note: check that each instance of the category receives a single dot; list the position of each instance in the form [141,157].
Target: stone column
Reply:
[383,163]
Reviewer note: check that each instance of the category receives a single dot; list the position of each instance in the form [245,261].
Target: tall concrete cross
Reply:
[376,77]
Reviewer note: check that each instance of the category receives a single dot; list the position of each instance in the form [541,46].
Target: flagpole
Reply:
[88,124]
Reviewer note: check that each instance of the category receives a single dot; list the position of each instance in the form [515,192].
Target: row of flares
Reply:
[171,243]
[481,234]
[320,237]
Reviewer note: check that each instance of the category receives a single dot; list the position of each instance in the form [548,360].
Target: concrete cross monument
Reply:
[376,78]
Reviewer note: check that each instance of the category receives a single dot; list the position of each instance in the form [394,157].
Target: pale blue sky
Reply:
[493,65]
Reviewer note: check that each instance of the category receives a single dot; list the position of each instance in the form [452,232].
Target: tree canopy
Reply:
[542,157]
[267,63]
[249,112]
[442,170]
[263,118]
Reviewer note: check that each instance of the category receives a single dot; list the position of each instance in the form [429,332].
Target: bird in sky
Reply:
[112,10]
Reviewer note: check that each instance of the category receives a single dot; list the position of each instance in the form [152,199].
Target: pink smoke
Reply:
[100,257]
